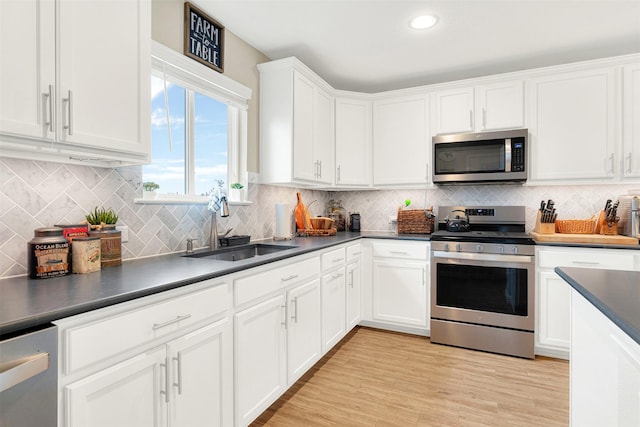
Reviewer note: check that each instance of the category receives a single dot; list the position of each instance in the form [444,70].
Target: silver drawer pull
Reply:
[585,263]
[157,326]
[335,276]
[286,279]
[17,371]
[337,260]
[398,252]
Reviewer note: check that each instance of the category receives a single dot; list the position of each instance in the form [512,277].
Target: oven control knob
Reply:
[446,247]
[514,250]
[479,248]
[501,249]
[458,247]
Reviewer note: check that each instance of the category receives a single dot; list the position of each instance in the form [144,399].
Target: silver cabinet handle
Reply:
[612,163]
[295,315]
[398,252]
[157,326]
[179,383]
[286,279]
[338,177]
[629,162]
[335,276]
[165,365]
[19,370]
[585,263]
[337,260]
[471,118]
[48,108]
[484,118]
[284,308]
[319,169]
[351,278]
[69,119]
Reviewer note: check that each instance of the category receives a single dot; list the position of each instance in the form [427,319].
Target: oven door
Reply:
[484,289]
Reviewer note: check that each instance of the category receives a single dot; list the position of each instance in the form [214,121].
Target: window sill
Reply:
[185,200]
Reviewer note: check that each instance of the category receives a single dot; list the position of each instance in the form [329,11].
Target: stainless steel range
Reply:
[483,280]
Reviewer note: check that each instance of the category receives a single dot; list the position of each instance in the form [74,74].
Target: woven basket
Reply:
[576,226]
[414,221]
[315,233]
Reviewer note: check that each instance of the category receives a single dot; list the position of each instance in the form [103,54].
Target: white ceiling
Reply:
[367,46]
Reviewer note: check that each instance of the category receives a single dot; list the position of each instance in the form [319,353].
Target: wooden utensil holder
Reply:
[603,227]
[544,227]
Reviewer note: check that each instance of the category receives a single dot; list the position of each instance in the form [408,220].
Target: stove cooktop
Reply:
[514,237]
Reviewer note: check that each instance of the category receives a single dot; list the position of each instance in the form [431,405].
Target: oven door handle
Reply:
[471,256]
[19,370]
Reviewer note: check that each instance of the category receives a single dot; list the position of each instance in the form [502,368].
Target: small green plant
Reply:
[237,186]
[101,215]
[407,202]
[150,186]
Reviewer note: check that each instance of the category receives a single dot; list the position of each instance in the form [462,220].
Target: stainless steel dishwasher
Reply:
[29,378]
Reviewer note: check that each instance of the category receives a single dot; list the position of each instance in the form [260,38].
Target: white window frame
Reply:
[199,78]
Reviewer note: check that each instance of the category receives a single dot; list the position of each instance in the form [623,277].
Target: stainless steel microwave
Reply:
[480,157]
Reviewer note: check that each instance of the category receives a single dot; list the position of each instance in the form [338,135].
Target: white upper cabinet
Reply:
[454,111]
[481,108]
[573,126]
[27,68]
[631,122]
[353,142]
[77,80]
[401,141]
[296,125]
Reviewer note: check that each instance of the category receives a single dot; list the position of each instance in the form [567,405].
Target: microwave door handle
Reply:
[507,155]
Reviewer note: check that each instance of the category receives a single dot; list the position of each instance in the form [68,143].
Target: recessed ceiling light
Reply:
[423,22]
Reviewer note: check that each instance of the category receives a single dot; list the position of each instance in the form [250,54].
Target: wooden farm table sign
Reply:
[203,38]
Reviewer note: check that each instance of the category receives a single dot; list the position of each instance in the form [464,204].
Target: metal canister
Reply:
[86,254]
[48,253]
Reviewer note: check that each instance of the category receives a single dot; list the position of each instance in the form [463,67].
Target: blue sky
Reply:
[167,167]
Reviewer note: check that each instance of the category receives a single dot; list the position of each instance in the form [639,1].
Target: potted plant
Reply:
[149,190]
[102,224]
[235,191]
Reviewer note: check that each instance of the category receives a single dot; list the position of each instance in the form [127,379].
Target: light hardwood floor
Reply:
[380,378]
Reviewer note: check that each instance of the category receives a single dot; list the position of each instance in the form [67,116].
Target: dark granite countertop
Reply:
[615,293]
[26,303]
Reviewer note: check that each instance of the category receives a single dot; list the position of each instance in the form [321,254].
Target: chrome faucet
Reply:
[224,212]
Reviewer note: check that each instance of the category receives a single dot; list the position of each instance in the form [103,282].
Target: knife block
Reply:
[603,227]
[544,227]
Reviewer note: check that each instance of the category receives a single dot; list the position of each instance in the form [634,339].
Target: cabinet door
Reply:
[400,292]
[131,393]
[354,294]
[553,329]
[27,68]
[401,142]
[353,142]
[260,358]
[454,111]
[104,73]
[333,309]
[572,126]
[499,106]
[323,137]
[202,380]
[303,329]
[304,161]
[631,137]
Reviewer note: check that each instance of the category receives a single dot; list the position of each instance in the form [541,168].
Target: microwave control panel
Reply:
[517,154]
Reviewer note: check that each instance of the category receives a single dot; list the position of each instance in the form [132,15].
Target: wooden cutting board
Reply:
[599,239]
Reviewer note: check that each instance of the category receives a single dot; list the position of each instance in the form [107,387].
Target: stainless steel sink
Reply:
[238,253]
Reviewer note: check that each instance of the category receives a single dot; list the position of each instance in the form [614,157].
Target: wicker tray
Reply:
[414,221]
[576,226]
[313,233]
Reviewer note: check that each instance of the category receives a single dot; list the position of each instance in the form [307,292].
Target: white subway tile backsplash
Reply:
[41,194]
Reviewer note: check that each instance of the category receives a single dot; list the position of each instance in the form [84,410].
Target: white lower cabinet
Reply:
[354,293]
[605,370]
[401,284]
[163,360]
[303,329]
[333,308]
[260,357]
[182,383]
[553,325]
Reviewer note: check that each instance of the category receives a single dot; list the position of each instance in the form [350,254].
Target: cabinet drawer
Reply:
[257,285]
[333,258]
[354,252]
[105,338]
[400,250]
[606,259]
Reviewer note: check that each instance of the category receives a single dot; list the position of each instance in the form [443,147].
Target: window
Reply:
[200,139]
